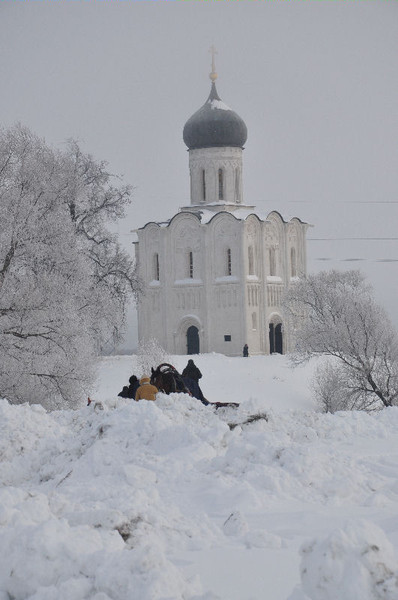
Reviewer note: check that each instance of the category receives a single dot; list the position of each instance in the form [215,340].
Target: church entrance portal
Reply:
[275,338]
[192,340]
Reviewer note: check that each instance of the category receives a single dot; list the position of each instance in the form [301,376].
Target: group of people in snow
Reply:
[139,389]
[143,389]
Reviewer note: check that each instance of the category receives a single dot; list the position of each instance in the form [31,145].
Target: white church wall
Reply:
[253,261]
[150,307]
[218,277]
[186,257]
[224,234]
[226,301]
[185,291]
[226,319]
[254,333]
[274,272]
[297,235]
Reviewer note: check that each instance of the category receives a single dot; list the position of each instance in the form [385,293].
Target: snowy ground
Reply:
[167,501]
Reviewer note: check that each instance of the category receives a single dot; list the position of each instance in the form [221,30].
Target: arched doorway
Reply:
[275,338]
[192,340]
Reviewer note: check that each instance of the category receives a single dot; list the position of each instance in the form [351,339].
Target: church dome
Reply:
[214,125]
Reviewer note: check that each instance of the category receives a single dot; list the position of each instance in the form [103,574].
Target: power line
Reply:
[340,239]
[344,202]
[377,260]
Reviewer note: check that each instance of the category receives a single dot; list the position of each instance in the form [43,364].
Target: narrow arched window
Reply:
[220,184]
[254,320]
[203,185]
[251,260]
[229,262]
[237,186]
[272,262]
[293,262]
[156,271]
[190,265]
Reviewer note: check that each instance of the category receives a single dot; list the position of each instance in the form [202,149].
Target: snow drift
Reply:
[173,500]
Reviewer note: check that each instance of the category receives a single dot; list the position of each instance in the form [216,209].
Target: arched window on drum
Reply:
[293,262]
[155,267]
[220,184]
[203,185]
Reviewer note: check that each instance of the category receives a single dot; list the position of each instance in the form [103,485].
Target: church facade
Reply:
[215,273]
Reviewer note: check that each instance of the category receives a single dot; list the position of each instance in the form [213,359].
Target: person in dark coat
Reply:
[192,371]
[130,390]
[195,390]
[245,350]
[191,375]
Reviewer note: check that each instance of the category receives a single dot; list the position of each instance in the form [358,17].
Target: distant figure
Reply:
[130,390]
[191,375]
[146,390]
[245,350]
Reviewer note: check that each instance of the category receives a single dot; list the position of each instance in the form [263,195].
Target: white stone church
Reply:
[214,273]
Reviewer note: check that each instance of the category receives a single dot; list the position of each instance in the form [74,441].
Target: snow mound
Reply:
[173,500]
[357,561]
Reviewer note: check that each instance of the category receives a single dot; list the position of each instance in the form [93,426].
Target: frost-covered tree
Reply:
[150,354]
[94,199]
[334,314]
[64,281]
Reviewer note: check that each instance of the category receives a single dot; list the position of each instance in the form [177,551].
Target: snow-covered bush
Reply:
[334,314]
[335,387]
[328,387]
[355,562]
[150,354]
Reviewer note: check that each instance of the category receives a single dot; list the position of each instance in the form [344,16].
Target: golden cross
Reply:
[213,74]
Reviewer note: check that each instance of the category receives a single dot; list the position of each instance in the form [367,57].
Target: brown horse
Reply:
[168,380]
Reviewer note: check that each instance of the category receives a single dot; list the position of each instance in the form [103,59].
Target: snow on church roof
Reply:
[205,215]
[240,214]
[218,104]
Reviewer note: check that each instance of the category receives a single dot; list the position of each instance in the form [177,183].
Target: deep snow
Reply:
[173,500]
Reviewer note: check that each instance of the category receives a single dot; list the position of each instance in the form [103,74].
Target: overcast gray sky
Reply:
[315,81]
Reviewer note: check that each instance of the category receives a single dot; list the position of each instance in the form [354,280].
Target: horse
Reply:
[168,380]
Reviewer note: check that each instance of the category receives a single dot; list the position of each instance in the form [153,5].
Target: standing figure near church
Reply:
[245,350]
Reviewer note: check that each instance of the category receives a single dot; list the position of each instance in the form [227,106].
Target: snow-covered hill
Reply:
[175,501]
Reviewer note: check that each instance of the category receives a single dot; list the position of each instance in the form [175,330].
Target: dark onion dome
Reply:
[214,125]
